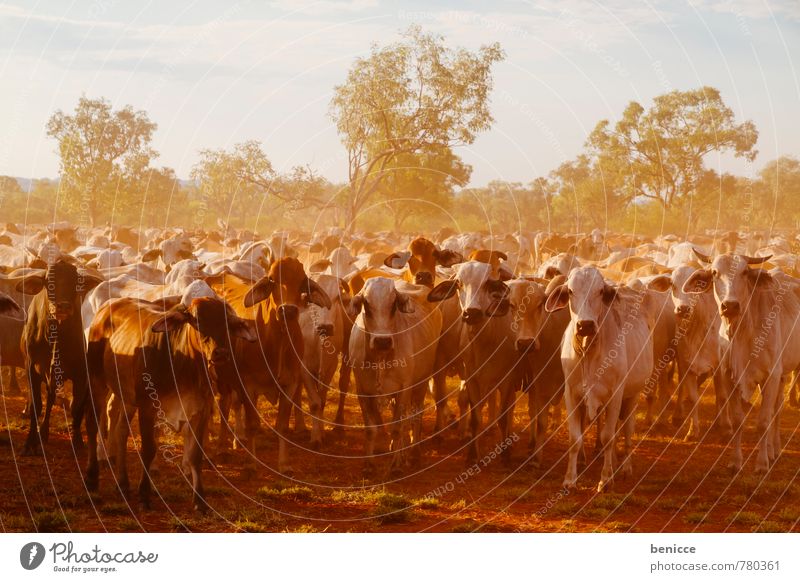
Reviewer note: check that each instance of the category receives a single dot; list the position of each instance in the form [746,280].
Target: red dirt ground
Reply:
[676,487]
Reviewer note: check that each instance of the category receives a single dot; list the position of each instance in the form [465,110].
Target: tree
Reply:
[409,97]
[779,192]
[162,195]
[587,197]
[99,150]
[422,184]
[659,153]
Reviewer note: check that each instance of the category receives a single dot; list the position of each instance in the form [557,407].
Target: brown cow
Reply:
[168,360]
[270,367]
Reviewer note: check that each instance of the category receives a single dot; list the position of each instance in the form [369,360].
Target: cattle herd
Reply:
[183,327]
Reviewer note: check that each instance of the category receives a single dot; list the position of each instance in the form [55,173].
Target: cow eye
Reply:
[570,292]
[714,273]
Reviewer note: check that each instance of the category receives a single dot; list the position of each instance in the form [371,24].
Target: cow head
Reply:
[215,322]
[684,302]
[421,259]
[479,292]
[64,286]
[290,289]
[380,302]
[733,280]
[528,315]
[323,318]
[588,296]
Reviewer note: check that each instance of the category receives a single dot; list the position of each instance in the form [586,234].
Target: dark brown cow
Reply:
[270,367]
[54,346]
[160,364]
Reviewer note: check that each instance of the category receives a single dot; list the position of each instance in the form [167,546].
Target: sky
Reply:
[212,74]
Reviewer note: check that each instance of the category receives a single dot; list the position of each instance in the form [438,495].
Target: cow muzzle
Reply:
[382,343]
[585,328]
[325,329]
[424,278]
[527,344]
[61,310]
[471,316]
[288,312]
[729,308]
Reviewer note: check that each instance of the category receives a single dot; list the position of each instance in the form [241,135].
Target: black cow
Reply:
[54,346]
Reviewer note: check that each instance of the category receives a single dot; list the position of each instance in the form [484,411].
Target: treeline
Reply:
[402,113]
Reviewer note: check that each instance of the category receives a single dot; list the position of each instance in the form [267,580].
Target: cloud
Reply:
[753,9]
[320,7]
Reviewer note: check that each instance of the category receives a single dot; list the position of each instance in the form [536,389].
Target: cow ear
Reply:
[355,306]
[404,303]
[172,320]
[316,294]
[259,292]
[448,258]
[443,290]
[500,255]
[397,260]
[9,307]
[151,255]
[698,282]
[609,293]
[661,283]
[319,266]
[30,284]
[760,277]
[558,299]
[504,273]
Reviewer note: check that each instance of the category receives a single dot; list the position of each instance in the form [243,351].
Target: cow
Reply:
[487,343]
[392,353]
[538,343]
[325,331]
[159,364]
[270,367]
[697,349]
[54,346]
[759,342]
[607,356]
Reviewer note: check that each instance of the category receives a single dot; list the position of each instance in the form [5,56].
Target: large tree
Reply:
[422,184]
[778,191]
[100,151]
[659,153]
[408,97]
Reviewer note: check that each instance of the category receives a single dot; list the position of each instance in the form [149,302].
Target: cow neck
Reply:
[592,350]
[749,326]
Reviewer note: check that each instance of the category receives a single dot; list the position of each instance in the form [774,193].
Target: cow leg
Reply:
[766,421]
[80,395]
[794,390]
[692,406]
[628,418]
[148,452]
[368,404]
[608,433]
[506,420]
[225,436]
[300,427]
[539,426]
[440,397]
[463,410]
[736,406]
[344,387]
[121,430]
[13,382]
[193,436]
[722,421]
[575,413]
[317,395]
[475,413]
[92,465]
[400,433]
[286,403]
[33,442]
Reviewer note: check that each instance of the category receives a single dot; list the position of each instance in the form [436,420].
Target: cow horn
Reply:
[703,258]
[756,260]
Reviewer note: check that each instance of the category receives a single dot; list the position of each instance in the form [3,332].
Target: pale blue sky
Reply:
[215,73]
